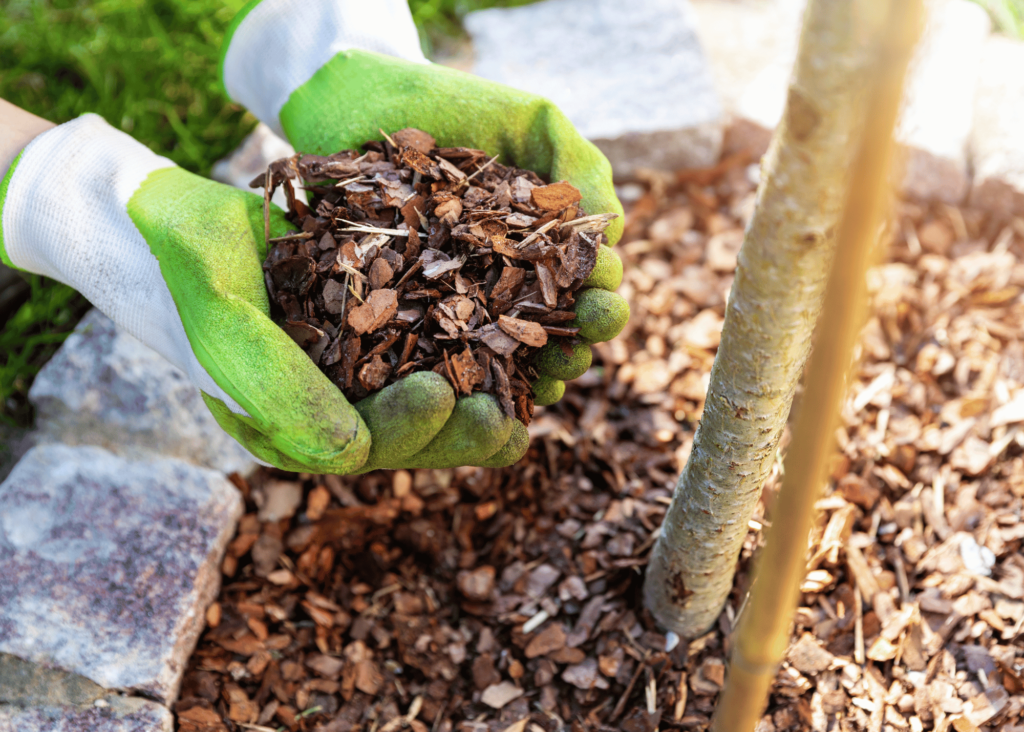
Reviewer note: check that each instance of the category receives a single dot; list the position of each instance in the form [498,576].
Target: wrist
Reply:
[19,129]
[276,46]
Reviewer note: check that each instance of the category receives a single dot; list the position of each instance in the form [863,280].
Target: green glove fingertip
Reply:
[600,315]
[547,391]
[607,274]
[476,430]
[513,450]
[405,417]
[343,461]
[551,361]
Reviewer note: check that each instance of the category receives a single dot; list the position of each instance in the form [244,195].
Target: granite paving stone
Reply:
[938,110]
[997,141]
[35,698]
[105,388]
[631,76]
[109,564]
[119,714]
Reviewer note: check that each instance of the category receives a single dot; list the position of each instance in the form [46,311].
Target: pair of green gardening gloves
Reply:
[327,75]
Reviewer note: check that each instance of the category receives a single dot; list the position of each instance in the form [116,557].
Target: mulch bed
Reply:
[509,600]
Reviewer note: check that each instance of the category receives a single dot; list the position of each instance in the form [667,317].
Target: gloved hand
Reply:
[176,260]
[330,74]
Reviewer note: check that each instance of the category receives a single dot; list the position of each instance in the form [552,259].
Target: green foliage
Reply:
[148,68]
[30,337]
[1007,15]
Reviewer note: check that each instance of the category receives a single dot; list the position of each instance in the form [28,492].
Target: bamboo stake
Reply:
[763,633]
[769,323]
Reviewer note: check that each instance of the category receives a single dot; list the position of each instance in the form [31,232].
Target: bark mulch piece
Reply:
[509,600]
[414,258]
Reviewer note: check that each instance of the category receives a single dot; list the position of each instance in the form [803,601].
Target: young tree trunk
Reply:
[769,321]
[763,631]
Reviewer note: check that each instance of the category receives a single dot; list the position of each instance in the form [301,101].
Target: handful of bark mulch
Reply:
[413,258]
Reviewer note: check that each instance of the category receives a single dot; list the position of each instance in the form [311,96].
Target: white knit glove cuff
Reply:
[66,216]
[280,44]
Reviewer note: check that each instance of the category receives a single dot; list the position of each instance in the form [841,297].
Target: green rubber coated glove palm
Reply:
[209,241]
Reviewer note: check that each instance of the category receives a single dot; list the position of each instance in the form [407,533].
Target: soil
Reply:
[508,600]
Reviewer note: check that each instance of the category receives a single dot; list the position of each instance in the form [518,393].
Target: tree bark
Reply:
[763,631]
[769,322]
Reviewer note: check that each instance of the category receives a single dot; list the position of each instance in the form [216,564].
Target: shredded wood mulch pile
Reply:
[416,258]
[509,600]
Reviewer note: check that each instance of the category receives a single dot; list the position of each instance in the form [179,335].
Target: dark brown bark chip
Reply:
[509,283]
[416,139]
[532,334]
[498,340]
[350,351]
[377,310]
[293,274]
[504,389]
[302,333]
[428,259]
[335,297]
[412,210]
[468,373]
[373,374]
[548,288]
[419,162]
[555,197]
[380,273]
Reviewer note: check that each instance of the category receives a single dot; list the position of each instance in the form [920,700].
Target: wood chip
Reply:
[555,197]
[524,331]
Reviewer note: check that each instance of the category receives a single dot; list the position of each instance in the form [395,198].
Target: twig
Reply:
[437,717]
[536,235]
[423,219]
[596,220]
[292,237]
[479,170]
[406,719]
[621,704]
[350,270]
[858,628]
[349,181]
[372,229]
[388,138]
[354,293]
[408,273]
[344,302]
[266,210]
[307,712]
